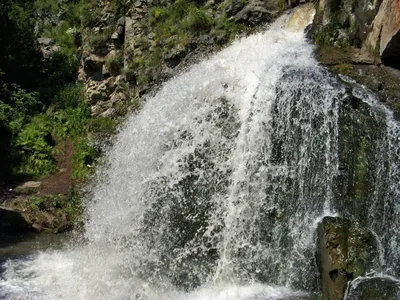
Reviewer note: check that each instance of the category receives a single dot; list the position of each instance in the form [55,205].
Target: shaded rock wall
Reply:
[12,221]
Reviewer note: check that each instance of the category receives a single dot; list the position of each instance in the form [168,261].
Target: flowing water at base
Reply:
[212,191]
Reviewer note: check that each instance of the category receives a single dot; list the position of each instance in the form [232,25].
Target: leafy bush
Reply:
[102,126]
[100,39]
[119,9]
[37,203]
[83,159]
[179,18]
[115,63]
[158,14]
[69,96]
[63,68]
[34,147]
[196,20]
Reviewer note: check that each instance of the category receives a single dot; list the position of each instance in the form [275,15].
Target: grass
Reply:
[115,63]
[100,40]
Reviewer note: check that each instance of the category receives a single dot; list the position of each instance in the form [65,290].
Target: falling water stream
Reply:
[214,190]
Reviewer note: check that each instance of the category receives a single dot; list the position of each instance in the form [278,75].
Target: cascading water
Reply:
[214,189]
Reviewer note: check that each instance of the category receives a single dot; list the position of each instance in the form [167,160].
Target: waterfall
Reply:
[214,190]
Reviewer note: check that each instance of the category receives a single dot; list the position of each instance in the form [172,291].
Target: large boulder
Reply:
[344,252]
[373,288]
[256,12]
[385,35]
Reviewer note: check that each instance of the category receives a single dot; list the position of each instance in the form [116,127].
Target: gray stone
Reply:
[253,14]
[174,57]
[105,71]
[100,92]
[109,113]
[115,36]
[121,22]
[29,186]
[44,41]
[373,288]
[384,36]
[100,107]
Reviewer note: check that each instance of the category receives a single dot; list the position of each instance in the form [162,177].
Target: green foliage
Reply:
[21,106]
[115,63]
[196,20]
[119,8]
[37,203]
[342,69]
[34,147]
[63,36]
[158,14]
[70,122]
[89,14]
[69,96]
[73,207]
[100,39]
[180,18]
[102,126]
[84,157]
[228,27]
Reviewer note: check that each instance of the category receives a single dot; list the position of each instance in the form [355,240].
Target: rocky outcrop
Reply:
[256,12]
[344,23]
[345,251]
[384,38]
[373,288]
[47,47]
[370,24]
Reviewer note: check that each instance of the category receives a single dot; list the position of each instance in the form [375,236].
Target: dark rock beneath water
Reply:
[345,251]
[12,221]
[374,288]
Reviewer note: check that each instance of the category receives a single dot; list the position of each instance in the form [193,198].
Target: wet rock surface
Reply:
[345,251]
[365,69]
[374,288]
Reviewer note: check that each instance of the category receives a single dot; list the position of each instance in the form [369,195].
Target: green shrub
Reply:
[102,126]
[119,9]
[100,39]
[89,16]
[73,207]
[69,96]
[83,159]
[196,20]
[71,122]
[34,145]
[158,14]
[228,26]
[115,63]
[37,203]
